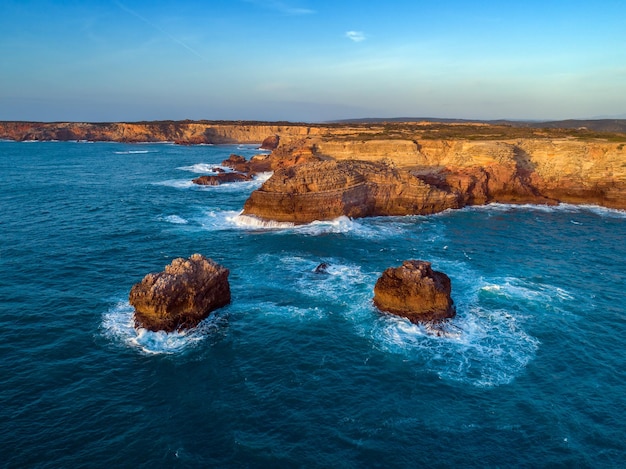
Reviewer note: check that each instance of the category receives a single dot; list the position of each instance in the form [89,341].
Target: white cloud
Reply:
[282,7]
[356,36]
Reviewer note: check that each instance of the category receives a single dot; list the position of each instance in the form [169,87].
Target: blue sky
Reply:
[307,60]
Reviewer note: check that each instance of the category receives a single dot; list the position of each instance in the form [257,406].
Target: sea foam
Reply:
[559,208]
[203,168]
[118,325]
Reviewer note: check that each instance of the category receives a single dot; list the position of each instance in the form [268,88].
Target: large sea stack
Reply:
[324,190]
[415,291]
[181,296]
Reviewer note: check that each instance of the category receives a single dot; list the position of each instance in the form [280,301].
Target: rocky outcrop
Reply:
[270,143]
[256,164]
[416,292]
[243,170]
[181,296]
[325,190]
[221,178]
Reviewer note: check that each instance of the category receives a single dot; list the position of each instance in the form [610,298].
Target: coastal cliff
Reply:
[455,164]
[324,190]
[182,132]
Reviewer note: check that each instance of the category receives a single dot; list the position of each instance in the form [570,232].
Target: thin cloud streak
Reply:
[159,29]
[356,36]
[282,7]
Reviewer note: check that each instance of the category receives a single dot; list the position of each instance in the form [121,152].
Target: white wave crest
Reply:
[176,220]
[251,222]
[485,348]
[338,225]
[118,325]
[177,183]
[517,289]
[561,208]
[365,228]
[203,168]
[133,152]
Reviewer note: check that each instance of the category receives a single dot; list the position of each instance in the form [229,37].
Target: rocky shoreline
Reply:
[322,171]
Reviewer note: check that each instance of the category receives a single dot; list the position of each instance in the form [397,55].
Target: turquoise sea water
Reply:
[300,370]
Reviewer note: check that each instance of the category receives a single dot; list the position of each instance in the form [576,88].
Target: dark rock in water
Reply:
[221,178]
[416,292]
[322,268]
[181,296]
[237,162]
[256,164]
[217,169]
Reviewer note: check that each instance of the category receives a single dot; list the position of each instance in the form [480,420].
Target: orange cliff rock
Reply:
[324,190]
[182,132]
[433,175]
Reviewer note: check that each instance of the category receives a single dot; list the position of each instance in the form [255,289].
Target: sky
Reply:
[311,61]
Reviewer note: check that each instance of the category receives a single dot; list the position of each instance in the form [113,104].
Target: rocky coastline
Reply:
[323,171]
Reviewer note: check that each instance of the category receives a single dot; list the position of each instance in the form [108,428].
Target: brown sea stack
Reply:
[181,296]
[416,292]
[324,190]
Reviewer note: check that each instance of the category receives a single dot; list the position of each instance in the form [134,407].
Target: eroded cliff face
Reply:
[517,171]
[324,190]
[183,132]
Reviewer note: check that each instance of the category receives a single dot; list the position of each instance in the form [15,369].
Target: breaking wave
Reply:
[118,325]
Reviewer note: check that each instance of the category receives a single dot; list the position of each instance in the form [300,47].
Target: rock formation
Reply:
[256,164]
[416,292]
[322,268]
[181,296]
[325,190]
[270,143]
[221,178]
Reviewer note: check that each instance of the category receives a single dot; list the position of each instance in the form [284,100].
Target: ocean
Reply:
[300,370]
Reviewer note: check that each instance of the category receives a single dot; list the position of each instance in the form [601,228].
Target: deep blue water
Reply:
[300,370]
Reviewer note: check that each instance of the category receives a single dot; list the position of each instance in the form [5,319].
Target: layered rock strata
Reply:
[528,170]
[324,190]
[415,291]
[181,296]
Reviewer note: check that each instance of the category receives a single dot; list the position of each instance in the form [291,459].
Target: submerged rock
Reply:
[322,268]
[181,296]
[416,292]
